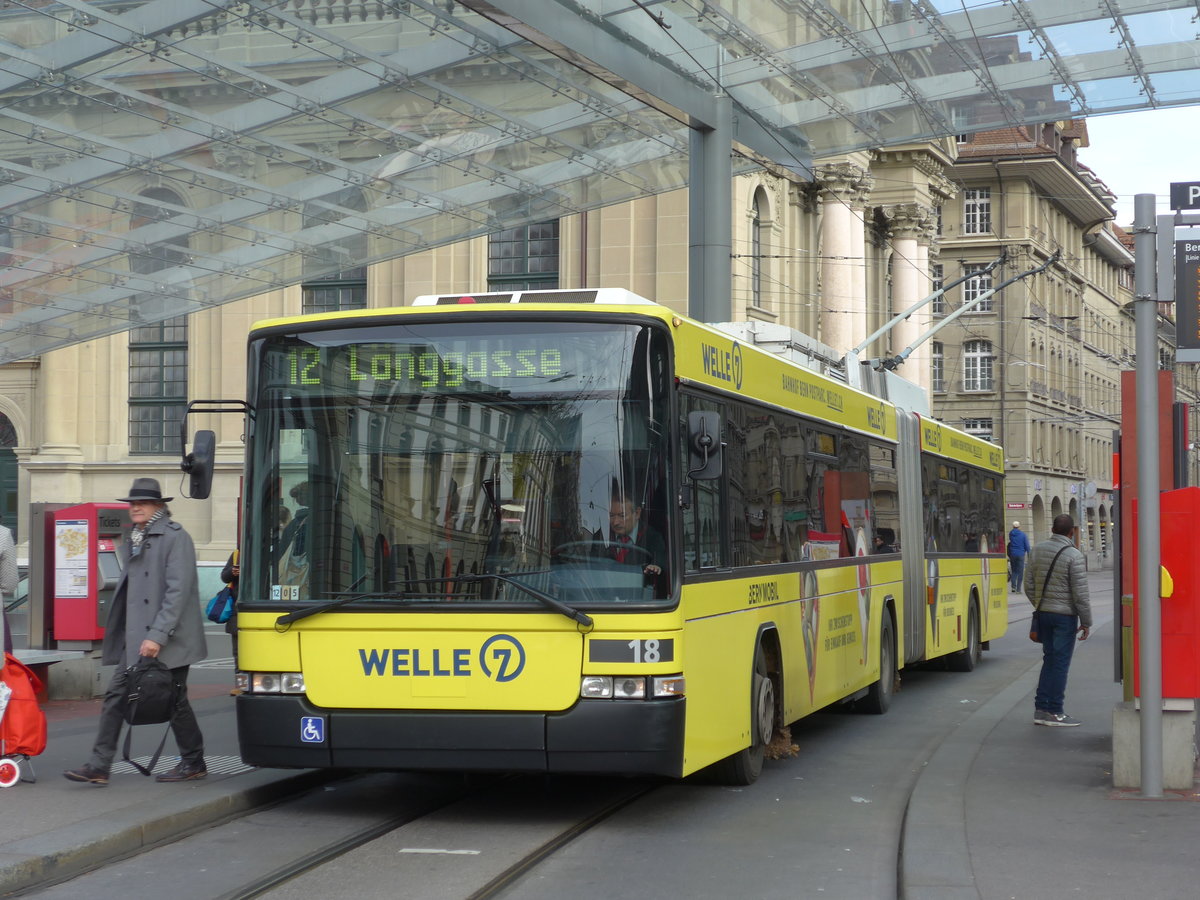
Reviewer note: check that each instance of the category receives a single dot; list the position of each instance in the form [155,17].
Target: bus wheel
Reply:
[745,766]
[966,659]
[879,695]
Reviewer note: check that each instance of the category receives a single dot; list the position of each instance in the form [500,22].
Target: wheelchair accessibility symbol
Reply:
[312,729]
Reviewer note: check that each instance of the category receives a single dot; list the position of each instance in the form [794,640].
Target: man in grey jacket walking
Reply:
[1056,584]
[155,612]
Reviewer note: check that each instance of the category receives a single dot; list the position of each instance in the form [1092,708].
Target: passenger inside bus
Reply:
[885,540]
[292,555]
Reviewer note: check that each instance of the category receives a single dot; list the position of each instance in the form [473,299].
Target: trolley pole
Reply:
[1146,382]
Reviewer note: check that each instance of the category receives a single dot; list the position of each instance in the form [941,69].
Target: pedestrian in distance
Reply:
[155,612]
[1018,549]
[230,575]
[9,579]
[1056,585]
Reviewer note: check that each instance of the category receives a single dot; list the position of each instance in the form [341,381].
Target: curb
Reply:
[71,851]
[935,859]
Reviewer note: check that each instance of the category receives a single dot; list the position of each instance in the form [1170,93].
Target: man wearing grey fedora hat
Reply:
[155,611]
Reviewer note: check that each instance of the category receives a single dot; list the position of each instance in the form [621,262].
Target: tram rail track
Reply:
[502,826]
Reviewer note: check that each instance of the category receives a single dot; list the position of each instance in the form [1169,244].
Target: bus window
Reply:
[409,454]
[885,499]
[703,535]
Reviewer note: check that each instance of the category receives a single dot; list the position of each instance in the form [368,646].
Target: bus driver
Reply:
[632,541]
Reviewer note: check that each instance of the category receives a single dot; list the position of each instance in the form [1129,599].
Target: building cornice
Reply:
[1070,191]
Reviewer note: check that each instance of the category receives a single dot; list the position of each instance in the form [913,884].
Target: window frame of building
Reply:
[347,289]
[979,283]
[937,277]
[758,242]
[161,348]
[983,427]
[937,366]
[530,253]
[978,366]
[335,293]
[977,211]
[157,377]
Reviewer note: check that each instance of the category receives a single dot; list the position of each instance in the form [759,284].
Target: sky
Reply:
[1143,153]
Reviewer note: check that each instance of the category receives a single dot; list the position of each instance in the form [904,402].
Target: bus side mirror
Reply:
[199,465]
[704,445]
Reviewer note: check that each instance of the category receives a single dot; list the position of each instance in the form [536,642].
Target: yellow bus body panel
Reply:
[828,638]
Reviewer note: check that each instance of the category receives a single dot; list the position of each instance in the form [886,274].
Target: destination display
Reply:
[588,360]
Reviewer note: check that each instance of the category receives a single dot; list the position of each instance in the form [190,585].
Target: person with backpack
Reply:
[1018,549]
[155,612]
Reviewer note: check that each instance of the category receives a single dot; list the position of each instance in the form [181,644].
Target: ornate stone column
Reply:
[844,190]
[911,225]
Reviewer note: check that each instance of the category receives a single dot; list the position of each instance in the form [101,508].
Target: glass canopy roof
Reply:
[164,156]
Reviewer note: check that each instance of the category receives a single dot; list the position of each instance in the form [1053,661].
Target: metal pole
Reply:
[710,218]
[1149,613]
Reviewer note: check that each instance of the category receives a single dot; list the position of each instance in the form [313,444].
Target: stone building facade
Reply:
[1036,368]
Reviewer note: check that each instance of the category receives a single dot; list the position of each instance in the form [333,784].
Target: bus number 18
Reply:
[645,651]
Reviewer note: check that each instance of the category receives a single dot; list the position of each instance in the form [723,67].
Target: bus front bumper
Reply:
[593,737]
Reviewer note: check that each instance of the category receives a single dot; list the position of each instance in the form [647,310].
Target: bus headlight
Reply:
[630,687]
[276,682]
[596,687]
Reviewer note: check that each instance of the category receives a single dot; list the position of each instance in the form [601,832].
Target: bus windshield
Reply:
[399,464]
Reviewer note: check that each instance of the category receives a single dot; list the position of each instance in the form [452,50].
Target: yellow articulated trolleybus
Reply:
[574,531]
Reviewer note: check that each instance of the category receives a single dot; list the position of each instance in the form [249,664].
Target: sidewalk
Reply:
[1007,809]
[1003,809]
[55,828]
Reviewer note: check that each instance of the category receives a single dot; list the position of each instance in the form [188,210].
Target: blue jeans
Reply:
[1057,632]
[1017,576]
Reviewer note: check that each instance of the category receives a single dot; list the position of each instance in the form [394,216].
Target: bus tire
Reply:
[879,694]
[966,659]
[745,766]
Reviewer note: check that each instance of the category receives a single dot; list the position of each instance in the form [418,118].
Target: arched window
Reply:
[977,366]
[9,471]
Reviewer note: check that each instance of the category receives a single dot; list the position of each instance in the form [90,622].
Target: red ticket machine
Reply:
[1179,516]
[83,546]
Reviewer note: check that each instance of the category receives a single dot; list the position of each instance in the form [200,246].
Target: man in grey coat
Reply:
[155,612]
[1056,584]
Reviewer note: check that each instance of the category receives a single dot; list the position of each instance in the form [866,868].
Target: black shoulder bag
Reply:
[1033,620]
[151,696]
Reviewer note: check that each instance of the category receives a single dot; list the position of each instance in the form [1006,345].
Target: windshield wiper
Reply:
[297,614]
[557,605]
[553,602]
